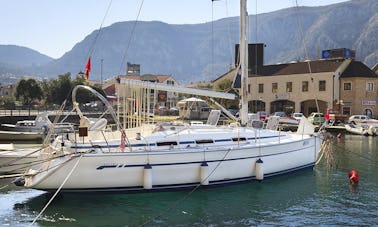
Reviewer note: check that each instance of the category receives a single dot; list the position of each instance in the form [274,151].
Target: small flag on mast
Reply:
[87,69]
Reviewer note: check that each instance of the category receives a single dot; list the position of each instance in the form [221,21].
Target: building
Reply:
[341,84]
[8,90]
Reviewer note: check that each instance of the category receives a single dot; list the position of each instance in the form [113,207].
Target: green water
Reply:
[320,196]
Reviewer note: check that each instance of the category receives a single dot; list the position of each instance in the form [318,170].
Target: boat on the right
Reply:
[362,129]
[362,125]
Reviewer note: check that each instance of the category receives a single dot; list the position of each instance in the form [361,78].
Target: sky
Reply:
[54,27]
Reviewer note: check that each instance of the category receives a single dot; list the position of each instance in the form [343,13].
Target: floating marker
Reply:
[204,173]
[259,169]
[353,176]
[147,176]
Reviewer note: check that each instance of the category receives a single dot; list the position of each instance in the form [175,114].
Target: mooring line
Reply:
[58,190]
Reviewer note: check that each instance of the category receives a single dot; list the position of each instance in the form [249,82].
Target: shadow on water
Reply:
[321,196]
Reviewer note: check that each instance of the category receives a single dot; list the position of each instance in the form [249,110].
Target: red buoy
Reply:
[353,177]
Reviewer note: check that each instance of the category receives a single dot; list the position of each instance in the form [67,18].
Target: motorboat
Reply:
[41,123]
[356,129]
[37,129]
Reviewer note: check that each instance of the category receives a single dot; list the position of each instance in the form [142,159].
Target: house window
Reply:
[304,85]
[289,86]
[346,110]
[274,87]
[369,86]
[347,86]
[322,85]
[261,88]
[249,88]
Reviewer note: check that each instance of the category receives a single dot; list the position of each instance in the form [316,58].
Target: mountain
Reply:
[18,56]
[19,61]
[194,53]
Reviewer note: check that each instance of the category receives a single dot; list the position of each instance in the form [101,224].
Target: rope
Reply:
[57,191]
[328,154]
[91,49]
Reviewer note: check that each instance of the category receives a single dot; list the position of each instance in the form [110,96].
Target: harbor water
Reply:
[320,196]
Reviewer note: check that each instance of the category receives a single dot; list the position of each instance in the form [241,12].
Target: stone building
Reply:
[341,84]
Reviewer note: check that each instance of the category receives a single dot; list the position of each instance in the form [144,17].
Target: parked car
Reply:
[357,119]
[297,116]
[262,115]
[316,118]
[279,114]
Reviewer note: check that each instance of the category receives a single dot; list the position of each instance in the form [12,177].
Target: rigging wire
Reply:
[305,49]
[131,36]
[212,38]
[91,49]
[229,35]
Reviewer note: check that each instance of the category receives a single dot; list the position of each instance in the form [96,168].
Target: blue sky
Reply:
[54,27]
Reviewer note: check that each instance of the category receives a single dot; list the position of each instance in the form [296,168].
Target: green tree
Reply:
[58,90]
[28,90]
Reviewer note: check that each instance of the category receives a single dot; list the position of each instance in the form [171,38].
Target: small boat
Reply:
[356,129]
[371,128]
[26,130]
[21,136]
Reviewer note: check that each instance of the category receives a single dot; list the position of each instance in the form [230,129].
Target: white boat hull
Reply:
[20,136]
[175,168]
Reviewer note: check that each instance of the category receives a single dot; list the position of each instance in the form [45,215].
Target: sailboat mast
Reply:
[243,50]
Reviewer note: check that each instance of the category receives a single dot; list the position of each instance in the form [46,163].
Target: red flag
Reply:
[87,69]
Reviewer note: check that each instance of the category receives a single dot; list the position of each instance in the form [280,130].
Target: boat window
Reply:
[204,141]
[166,143]
[239,139]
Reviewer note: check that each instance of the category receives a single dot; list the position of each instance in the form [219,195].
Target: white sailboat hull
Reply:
[176,167]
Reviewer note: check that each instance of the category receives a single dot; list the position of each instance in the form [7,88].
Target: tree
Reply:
[28,90]
[58,90]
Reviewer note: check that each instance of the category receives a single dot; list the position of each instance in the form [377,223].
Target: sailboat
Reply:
[165,158]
